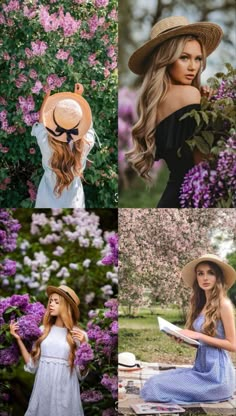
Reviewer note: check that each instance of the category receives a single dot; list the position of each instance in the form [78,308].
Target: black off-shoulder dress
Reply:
[171,134]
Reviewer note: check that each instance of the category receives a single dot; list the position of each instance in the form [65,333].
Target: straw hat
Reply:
[127,361]
[68,294]
[67,115]
[210,35]
[189,274]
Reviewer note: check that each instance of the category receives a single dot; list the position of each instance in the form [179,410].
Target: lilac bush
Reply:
[111,256]
[9,228]
[102,332]
[29,316]
[212,183]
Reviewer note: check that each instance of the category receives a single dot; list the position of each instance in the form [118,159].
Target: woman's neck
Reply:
[59,322]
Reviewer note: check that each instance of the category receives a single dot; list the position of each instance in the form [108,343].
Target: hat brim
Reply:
[134,368]
[188,273]
[210,35]
[54,289]
[49,106]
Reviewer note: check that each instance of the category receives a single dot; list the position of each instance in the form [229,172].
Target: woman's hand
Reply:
[13,329]
[190,334]
[78,335]
[207,91]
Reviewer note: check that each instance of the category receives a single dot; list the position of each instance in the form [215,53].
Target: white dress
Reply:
[73,197]
[56,390]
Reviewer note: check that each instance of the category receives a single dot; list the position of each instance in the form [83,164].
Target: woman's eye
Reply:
[183,57]
[199,59]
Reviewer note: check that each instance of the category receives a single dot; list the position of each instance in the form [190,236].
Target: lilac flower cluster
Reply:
[84,355]
[111,384]
[112,255]
[225,90]
[91,396]
[207,186]
[9,228]
[29,316]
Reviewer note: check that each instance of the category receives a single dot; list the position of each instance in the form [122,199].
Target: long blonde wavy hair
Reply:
[66,162]
[153,91]
[69,320]
[198,301]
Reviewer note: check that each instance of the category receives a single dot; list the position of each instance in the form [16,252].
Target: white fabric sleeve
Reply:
[89,143]
[31,367]
[40,132]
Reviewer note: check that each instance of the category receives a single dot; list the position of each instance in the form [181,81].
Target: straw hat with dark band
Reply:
[189,272]
[210,35]
[68,294]
[67,115]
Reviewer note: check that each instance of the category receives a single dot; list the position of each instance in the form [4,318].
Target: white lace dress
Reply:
[73,197]
[56,390]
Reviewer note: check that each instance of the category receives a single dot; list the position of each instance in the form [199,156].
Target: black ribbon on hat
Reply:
[60,130]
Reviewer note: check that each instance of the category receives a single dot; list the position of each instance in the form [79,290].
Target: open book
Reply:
[156,408]
[171,329]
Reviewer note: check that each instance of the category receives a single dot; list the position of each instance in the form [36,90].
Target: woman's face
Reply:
[54,305]
[184,70]
[206,276]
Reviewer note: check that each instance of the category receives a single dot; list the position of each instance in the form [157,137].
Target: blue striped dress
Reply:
[211,379]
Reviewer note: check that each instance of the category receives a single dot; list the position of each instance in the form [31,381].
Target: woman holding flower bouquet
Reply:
[53,357]
[171,62]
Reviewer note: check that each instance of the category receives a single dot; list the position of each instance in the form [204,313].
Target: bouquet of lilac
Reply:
[28,315]
[212,183]
[100,357]
[9,228]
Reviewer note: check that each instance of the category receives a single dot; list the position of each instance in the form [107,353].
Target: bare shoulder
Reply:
[185,94]
[226,306]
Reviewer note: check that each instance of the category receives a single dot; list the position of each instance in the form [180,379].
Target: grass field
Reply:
[141,336]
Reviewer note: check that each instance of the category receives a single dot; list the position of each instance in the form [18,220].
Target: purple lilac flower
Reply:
[111,384]
[114,327]
[83,355]
[37,310]
[7,268]
[28,328]
[9,356]
[112,256]
[9,228]
[91,396]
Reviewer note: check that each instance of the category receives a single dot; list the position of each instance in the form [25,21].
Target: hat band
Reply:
[68,295]
[130,366]
[167,30]
[60,130]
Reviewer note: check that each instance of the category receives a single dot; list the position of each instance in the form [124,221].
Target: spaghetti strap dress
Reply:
[73,197]
[56,389]
[170,135]
[211,379]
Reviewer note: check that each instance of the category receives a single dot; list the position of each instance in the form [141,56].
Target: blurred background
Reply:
[136,18]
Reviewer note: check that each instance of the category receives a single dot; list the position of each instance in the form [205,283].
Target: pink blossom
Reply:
[11,129]
[110,51]
[49,22]
[32,150]
[27,119]
[3,101]
[32,191]
[113,15]
[4,125]
[61,54]
[22,78]
[13,5]
[3,115]
[33,74]
[105,39]
[39,47]
[85,35]
[93,83]
[10,22]
[54,81]
[92,59]
[70,60]
[69,24]
[37,87]
[21,64]
[28,53]
[3,187]
[93,23]
[106,72]
[30,13]
[101,3]
[6,56]
[5,149]
[2,19]
[7,180]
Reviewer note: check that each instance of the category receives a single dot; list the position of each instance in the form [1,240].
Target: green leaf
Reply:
[202,145]
[204,116]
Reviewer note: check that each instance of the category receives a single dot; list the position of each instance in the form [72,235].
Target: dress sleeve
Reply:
[40,132]
[89,143]
[31,367]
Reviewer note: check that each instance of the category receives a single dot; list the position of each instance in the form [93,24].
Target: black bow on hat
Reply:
[60,130]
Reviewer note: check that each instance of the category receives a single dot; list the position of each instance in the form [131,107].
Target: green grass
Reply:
[139,195]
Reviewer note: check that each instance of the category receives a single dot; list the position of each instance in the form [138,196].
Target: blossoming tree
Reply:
[49,46]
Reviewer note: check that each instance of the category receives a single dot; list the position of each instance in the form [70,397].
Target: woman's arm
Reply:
[13,330]
[227,317]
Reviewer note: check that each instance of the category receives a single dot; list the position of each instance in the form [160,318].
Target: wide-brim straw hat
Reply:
[189,271]
[209,34]
[69,294]
[127,361]
[67,115]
